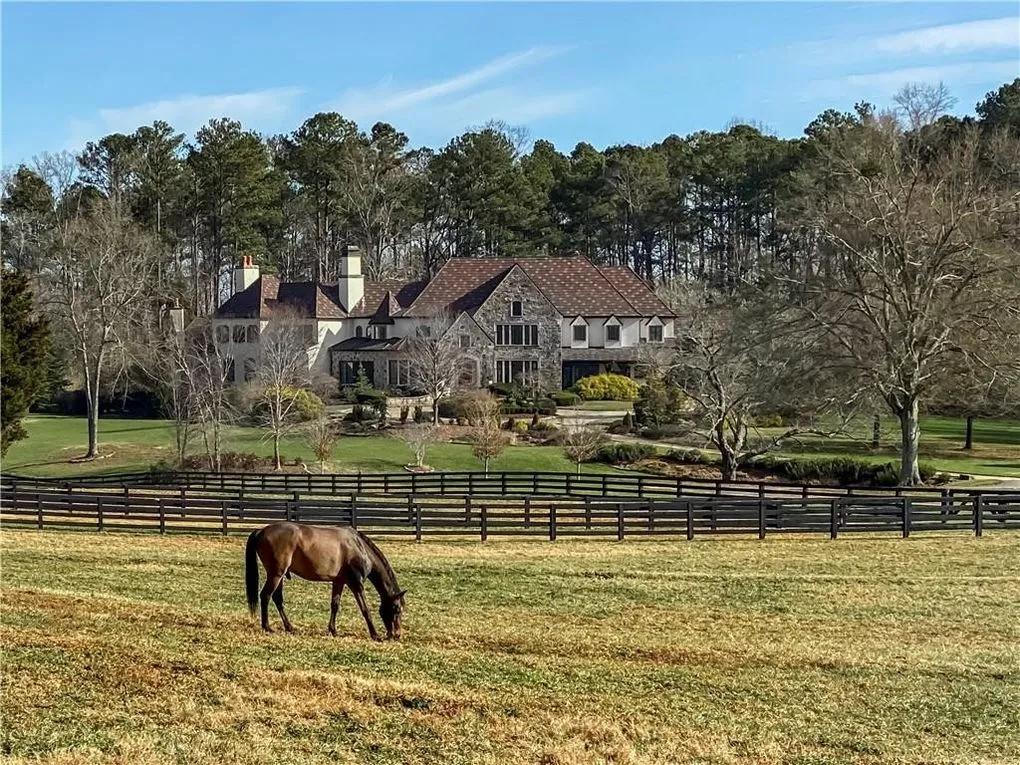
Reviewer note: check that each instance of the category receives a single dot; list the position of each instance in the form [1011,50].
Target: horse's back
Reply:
[317,553]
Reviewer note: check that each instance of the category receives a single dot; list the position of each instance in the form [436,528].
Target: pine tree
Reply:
[24,346]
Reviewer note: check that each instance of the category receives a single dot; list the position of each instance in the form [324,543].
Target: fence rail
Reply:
[182,510]
[636,485]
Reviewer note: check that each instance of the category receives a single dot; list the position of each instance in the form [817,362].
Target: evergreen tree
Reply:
[24,346]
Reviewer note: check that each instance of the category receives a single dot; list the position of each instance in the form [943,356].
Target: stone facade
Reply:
[535,310]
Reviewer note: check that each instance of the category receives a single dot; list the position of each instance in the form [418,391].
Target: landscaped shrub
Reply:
[543,406]
[230,462]
[607,387]
[773,420]
[625,453]
[419,415]
[565,398]
[510,424]
[303,405]
[373,398]
[685,456]
[843,471]
[520,426]
[658,404]
[405,412]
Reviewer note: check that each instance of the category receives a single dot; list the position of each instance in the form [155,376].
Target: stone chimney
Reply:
[245,274]
[351,286]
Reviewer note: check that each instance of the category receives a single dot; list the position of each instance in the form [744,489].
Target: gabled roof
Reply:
[401,293]
[268,296]
[574,285]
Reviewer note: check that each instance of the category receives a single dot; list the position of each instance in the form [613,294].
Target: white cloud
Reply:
[966,37]
[469,98]
[886,83]
[257,109]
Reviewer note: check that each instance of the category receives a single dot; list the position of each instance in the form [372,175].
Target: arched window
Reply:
[359,331]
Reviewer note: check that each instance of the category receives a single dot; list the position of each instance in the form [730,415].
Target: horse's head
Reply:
[391,610]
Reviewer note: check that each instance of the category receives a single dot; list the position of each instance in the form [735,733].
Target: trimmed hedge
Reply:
[607,387]
[565,398]
[625,453]
[307,406]
[844,471]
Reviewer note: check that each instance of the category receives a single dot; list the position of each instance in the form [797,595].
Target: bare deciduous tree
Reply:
[488,441]
[925,265]
[581,442]
[100,267]
[322,437]
[418,438]
[741,357]
[921,103]
[434,358]
[281,371]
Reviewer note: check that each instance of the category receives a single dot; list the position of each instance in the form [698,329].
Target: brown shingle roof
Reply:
[573,285]
[636,291]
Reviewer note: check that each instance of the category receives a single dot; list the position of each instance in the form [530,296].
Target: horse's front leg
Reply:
[334,604]
[359,596]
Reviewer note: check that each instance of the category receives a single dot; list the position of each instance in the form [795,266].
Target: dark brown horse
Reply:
[341,555]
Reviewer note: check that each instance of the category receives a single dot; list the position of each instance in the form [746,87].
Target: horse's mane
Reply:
[381,558]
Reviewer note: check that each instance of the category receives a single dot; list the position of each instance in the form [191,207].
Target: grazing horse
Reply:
[341,555]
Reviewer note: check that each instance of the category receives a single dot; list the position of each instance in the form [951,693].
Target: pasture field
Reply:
[138,649]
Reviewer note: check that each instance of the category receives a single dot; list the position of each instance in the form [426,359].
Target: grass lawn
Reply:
[138,649]
[137,444]
[996,445]
[601,406]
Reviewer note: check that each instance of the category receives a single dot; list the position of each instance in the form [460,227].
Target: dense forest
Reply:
[892,233]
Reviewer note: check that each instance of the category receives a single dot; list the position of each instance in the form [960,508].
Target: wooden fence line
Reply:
[143,509]
[492,484]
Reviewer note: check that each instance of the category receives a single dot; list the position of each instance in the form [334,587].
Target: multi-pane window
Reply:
[465,341]
[612,333]
[400,373]
[510,370]
[222,334]
[347,371]
[240,333]
[516,334]
[253,333]
[306,333]
[516,308]
[580,333]
[655,334]
[381,332]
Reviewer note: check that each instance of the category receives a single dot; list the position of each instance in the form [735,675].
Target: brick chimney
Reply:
[245,274]
[351,287]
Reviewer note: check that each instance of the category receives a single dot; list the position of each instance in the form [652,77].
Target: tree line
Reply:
[878,250]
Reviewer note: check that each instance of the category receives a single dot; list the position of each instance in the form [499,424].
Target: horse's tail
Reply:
[251,570]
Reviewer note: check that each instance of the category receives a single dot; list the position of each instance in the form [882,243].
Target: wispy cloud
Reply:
[187,113]
[966,37]
[468,98]
[883,84]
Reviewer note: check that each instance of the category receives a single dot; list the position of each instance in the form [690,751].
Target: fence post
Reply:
[587,513]
[534,482]
[605,485]
[485,523]
[679,487]
[641,486]
[467,510]
[569,480]
[552,523]
[502,485]
[651,517]
[332,483]
[906,516]
[162,516]
[184,500]
[38,510]
[99,510]
[296,514]
[761,513]
[354,511]
[223,517]
[360,489]
[127,501]
[70,506]
[417,522]
[14,494]
[690,520]
[619,521]
[833,519]
[386,483]
[410,508]
[718,488]
[978,513]
[527,512]
[241,495]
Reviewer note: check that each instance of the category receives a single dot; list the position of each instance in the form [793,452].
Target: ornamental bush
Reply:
[607,387]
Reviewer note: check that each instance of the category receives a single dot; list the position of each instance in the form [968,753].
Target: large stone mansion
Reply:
[544,320]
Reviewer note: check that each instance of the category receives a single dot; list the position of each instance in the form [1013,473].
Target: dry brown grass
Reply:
[138,649]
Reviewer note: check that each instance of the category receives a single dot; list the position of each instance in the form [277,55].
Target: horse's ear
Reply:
[400,594]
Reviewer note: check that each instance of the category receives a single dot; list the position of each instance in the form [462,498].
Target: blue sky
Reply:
[601,72]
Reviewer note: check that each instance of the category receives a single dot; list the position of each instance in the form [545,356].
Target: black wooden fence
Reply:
[141,508]
[636,485]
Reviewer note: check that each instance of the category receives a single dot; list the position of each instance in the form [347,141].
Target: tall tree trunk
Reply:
[435,409]
[910,434]
[969,442]
[276,451]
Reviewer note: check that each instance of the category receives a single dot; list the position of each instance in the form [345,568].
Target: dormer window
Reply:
[516,308]
[655,333]
[612,333]
[580,333]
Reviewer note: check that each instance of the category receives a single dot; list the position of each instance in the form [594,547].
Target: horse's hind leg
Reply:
[359,595]
[334,605]
[278,600]
[273,582]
